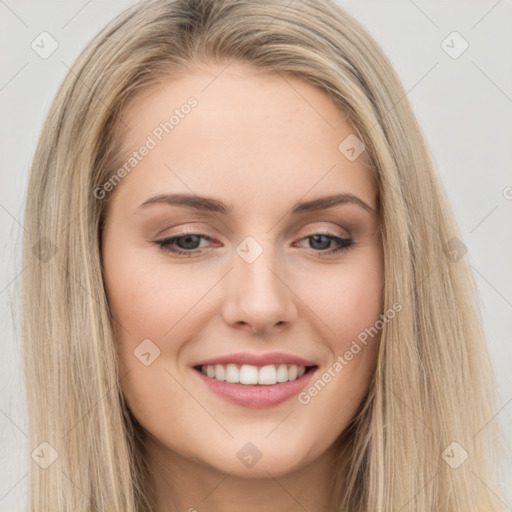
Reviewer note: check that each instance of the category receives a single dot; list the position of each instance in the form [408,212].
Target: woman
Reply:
[245,288]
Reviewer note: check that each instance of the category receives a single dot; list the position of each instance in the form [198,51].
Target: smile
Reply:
[255,380]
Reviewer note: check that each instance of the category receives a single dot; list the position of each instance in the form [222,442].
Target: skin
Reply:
[259,143]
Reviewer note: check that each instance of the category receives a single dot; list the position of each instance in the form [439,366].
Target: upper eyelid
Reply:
[312,232]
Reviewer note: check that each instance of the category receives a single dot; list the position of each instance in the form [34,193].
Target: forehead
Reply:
[250,138]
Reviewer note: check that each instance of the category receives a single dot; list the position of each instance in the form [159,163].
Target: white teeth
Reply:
[282,373]
[267,375]
[249,374]
[219,373]
[232,373]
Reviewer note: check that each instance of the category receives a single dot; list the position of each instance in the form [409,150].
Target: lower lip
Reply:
[257,396]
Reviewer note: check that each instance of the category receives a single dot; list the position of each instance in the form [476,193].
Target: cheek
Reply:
[349,304]
[139,315]
[347,299]
[157,308]
[146,301]
[146,297]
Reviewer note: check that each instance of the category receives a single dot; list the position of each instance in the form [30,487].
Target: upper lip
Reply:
[257,359]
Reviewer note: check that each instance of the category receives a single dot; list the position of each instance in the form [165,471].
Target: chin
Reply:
[258,459]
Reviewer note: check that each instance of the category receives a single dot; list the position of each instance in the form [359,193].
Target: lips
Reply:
[256,380]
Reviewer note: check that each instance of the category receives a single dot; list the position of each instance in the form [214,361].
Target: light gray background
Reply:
[464,106]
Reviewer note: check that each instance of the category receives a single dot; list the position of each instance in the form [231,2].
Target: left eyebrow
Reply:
[323,203]
[215,206]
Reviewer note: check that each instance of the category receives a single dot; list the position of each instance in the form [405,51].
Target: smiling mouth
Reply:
[249,374]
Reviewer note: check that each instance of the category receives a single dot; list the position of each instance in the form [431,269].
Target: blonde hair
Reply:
[433,385]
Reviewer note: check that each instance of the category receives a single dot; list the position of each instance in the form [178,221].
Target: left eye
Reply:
[320,239]
[187,244]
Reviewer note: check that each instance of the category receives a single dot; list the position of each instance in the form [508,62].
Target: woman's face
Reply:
[263,290]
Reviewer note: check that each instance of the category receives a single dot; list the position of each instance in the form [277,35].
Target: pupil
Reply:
[326,244]
[187,239]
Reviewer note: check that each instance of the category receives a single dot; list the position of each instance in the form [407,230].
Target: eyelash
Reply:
[165,244]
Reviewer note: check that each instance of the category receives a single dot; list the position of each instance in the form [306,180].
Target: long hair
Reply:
[423,439]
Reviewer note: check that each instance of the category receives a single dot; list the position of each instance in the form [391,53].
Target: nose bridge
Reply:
[257,293]
[255,265]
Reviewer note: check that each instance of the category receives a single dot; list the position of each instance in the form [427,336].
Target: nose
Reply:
[257,295]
